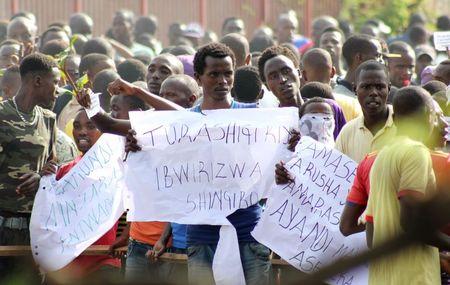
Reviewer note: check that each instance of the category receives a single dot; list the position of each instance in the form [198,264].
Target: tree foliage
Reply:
[394,13]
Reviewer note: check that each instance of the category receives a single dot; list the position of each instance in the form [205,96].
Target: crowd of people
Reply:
[379,98]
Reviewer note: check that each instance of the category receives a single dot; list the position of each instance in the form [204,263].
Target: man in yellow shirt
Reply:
[375,128]
[401,175]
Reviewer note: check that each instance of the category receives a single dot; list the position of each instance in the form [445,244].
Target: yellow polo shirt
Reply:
[403,166]
[356,141]
[350,106]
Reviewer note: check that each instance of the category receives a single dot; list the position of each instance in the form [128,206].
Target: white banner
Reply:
[199,168]
[301,220]
[72,213]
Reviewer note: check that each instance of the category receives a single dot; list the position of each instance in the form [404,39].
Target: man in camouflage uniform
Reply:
[27,141]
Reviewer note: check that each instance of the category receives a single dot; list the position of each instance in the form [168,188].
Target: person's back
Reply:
[400,175]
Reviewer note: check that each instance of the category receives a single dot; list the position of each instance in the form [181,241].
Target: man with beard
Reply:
[27,140]
[372,130]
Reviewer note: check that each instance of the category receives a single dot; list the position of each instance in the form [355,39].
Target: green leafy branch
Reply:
[61,60]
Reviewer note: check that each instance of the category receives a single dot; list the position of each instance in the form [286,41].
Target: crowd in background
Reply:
[381,99]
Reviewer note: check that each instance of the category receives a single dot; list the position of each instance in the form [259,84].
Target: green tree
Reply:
[394,13]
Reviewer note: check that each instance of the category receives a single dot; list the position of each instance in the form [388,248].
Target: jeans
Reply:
[141,269]
[255,259]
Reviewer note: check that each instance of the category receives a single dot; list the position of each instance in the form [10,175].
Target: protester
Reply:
[317,67]
[319,25]
[442,72]
[356,50]
[132,70]
[239,45]
[375,128]
[82,24]
[405,169]
[233,25]
[100,85]
[23,30]
[27,140]
[247,86]
[332,40]
[101,267]
[10,82]
[180,89]
[401,68]
[160,68]
[9,53]
[287,26]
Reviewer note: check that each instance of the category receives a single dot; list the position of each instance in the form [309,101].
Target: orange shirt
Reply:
[359,194]
[147,232]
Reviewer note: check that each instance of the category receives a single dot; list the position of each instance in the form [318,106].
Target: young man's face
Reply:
[286,31]
[84,132]
[119,108]
[372,90]
[217,78]
[159,69]
[47,87]
[332,42]
[282,78]
[121,28]
[401,69]
[175,91]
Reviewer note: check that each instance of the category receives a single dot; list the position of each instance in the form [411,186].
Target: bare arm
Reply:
[107,124]
[121,87]
[349,219]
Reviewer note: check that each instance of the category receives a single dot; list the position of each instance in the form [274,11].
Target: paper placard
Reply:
[441,40]
[301,220]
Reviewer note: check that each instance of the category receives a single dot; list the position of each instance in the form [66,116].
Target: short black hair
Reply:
[182,50]
[272,52]
[24,14]
[9,42]
[98,45]
[51,29]
[135,102]
[443,23]
[36,63]
[356,44]
[54,47]
[333,30]
[317,89]
[128,15]
[410,100]
[91,60]
[100,85]
[313,100]
[238,44]
[434,86]
[229,19]
[132,70]
[400,47]
[371,65]
[216,50]
[247,84]
[146,25]
[260,43]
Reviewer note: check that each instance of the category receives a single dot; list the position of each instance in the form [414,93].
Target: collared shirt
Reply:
[350,106]
[403,167]
[356,141]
